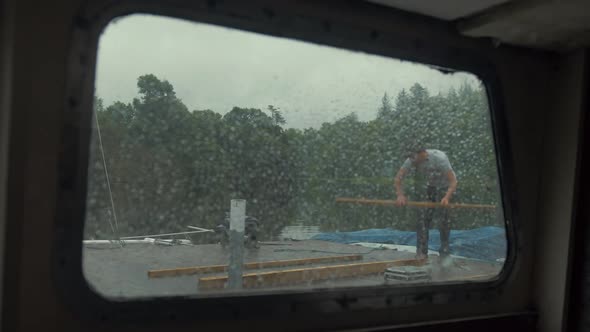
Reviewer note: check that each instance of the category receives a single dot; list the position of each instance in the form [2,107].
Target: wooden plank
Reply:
[302,261]
[295,276]
[389,202]
[475,278]
[183,271]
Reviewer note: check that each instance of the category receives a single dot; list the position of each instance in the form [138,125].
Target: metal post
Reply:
[236,242]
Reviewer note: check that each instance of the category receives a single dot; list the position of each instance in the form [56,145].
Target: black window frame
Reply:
[310,25]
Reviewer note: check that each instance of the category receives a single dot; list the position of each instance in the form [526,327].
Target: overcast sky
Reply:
[217,68]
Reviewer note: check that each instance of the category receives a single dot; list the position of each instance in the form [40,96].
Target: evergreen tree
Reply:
[170,167]
[385,111]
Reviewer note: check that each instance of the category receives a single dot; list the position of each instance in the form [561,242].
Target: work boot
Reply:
[421,256]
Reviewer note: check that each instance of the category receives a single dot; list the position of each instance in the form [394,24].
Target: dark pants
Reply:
[425,216]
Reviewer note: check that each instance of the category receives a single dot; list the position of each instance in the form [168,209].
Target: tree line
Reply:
[170,167]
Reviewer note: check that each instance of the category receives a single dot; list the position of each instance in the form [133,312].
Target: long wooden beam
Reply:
[480,276]
[296,276]
[182,271]
[390,202]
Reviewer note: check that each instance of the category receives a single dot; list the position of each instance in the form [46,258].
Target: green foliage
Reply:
[170,167]
[385,111]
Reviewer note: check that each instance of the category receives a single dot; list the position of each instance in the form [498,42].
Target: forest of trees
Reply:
[170,167]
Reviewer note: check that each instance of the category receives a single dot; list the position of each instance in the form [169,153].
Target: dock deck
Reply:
[116,271]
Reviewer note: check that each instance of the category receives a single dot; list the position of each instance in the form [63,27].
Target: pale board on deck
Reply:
[250,266]
[311,274]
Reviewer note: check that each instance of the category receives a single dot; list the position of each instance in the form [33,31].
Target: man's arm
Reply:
[401,198]
[452,187]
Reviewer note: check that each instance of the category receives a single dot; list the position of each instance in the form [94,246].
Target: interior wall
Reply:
[578,302]
[42,34]
[556,195]
[5,72]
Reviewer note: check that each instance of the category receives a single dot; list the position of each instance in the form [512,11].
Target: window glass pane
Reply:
[227,161]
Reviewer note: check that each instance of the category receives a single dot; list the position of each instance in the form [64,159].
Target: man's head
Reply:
[414,149]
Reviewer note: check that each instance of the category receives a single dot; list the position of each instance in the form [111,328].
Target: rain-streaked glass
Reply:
[307,140]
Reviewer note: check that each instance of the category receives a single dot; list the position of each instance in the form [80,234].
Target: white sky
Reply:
[217,68]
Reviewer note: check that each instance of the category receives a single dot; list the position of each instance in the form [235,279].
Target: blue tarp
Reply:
[486,243]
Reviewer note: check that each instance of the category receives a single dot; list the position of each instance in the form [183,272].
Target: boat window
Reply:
[227,161]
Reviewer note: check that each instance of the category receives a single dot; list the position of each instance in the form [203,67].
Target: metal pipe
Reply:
[236,242]
[160,235]
[146,240]
[200,229]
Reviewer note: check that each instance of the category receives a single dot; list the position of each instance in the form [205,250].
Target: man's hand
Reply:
[452,187]
[401,200]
